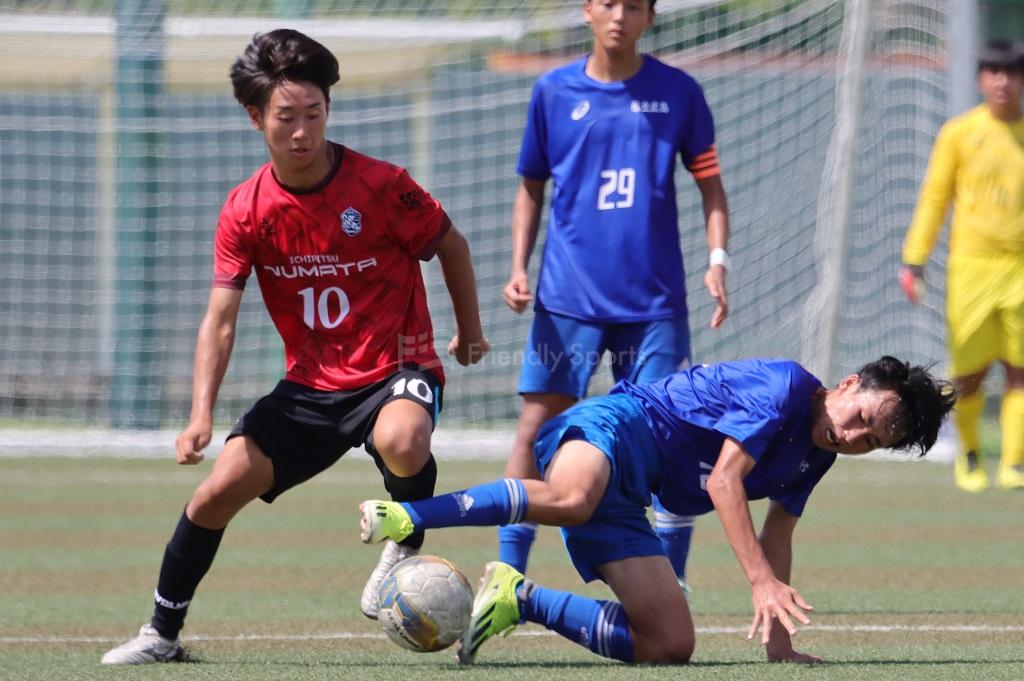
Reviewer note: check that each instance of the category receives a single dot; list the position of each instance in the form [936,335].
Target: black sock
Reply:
[413,488]
[187,557]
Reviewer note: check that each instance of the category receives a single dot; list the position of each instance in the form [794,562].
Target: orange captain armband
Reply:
[705,164]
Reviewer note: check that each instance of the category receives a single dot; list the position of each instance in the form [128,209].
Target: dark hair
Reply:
[278,56]
[1001,55]
[924,400]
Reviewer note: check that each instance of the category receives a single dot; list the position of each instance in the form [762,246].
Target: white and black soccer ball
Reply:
[425,603]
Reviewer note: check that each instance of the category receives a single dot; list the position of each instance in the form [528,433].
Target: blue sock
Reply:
[600,626]
[514,543]
[494,503]
[675,533]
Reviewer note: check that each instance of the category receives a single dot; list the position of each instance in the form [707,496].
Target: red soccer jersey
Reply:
[338,266]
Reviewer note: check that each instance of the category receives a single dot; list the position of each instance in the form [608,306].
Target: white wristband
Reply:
[719,257]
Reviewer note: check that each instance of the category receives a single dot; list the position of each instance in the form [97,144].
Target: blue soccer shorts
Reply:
[562,353]
[619,528]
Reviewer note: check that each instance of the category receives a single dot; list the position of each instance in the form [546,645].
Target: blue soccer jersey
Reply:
[763,404]
[612,249]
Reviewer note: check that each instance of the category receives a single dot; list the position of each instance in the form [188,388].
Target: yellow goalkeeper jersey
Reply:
[978,165]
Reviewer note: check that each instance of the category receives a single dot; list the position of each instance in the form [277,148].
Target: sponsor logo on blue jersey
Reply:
[649,106]
[580,110]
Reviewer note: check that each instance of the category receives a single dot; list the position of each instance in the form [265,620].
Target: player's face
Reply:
[1001,88]
[853,421]
[618,24]
[294,124]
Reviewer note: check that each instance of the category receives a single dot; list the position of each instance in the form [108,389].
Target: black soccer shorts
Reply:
[305,431]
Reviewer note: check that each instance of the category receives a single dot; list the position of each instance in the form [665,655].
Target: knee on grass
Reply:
[666,649]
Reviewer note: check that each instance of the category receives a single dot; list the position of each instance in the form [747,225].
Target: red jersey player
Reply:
[335,239]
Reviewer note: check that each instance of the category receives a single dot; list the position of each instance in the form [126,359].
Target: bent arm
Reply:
[725,487]
[214,344]
[460,280]
[937,191]
[773,598]
[213,351]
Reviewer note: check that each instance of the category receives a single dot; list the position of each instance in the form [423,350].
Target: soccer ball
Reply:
[425,603]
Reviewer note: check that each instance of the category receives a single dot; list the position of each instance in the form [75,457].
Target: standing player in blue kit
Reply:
[606,130]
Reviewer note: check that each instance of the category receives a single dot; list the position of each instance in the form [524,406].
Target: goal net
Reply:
[120,140]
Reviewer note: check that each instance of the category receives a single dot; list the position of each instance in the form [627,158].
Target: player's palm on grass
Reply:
[776,600]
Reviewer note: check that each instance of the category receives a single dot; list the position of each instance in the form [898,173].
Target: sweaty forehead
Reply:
[886,411]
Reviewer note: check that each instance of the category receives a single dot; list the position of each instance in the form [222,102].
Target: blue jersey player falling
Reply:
[608,131]
[707,438]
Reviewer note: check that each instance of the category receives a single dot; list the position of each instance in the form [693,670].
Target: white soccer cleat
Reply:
[391,556]
[146,648]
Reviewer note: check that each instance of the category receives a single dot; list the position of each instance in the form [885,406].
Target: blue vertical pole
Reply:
[135,384]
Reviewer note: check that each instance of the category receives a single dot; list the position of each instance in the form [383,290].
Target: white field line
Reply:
[447,443]
[349,635]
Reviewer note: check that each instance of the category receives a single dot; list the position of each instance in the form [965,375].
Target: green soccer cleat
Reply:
[380,520]
[495,609]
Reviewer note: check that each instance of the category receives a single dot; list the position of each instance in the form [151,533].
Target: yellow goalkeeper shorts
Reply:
[985,311]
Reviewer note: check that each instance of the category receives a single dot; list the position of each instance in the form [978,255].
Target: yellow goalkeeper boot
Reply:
[495,609]
[1010,477]
[969,472]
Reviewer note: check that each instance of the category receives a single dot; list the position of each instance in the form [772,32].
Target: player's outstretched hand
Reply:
[517,292]
[468,352]
[912,282]
[714,279]
[776,600]
[191,442]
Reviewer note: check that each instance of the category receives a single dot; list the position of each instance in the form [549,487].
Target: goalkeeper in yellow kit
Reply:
[977,164]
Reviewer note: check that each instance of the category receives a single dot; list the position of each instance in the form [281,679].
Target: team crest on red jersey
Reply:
[351,221]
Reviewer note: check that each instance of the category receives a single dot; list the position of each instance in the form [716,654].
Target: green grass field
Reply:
[910,580]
